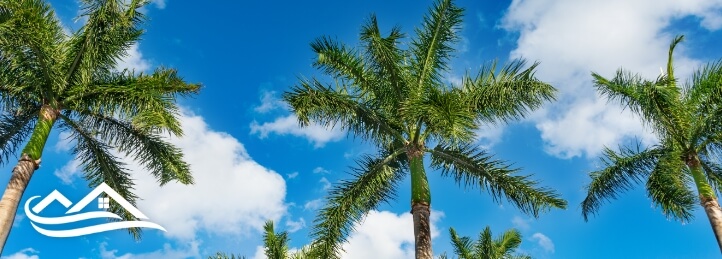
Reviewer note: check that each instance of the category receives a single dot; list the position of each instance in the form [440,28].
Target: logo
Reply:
[73,216]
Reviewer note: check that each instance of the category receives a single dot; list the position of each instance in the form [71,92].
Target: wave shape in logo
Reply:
[103,188]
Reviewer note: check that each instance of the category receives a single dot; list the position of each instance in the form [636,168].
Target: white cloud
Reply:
[18,219]
[320,170]
[592,125]
[326,183]
[288,125]
[232,193]
[489,135]
[573,38]
[159,3]
[260,253]
[292,175]
[269,102]
[69,172]
[27,253]
[520,223]
[384,234]
[293,226]
[64,142]
[133,60]
[543,241]
[191,251]
[313,204]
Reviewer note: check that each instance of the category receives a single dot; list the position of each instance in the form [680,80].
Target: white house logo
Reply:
[73,216]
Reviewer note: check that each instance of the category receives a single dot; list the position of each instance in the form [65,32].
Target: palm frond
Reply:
[472,167]
[276,243]
[507,242]
[668,187]
[14,130]
[507,94]
[19,86]
[100,165]
[339,61]
[160,158]
[704,89]
[484,247]
[5,14]
[621,171]
[306,252]
[111,29]
[432,48]
[706,132]
[31,38]
[446,118]
[150,100]
[670,67]
[463,246]
[375,181]
[385,59]
[658,103]
[312,101]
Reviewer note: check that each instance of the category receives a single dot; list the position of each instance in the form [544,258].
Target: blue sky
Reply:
[252,163]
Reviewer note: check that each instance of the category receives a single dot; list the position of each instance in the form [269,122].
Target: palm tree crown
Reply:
[687,121]
[397,99]
[49,79]
[487,247]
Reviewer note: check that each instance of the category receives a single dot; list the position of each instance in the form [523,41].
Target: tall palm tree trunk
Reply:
[420,206]
[23,171]
[707,198]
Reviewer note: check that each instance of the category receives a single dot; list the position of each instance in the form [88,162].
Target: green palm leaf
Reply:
[471,167]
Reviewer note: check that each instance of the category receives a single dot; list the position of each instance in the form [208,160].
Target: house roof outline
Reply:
[104,188]
[53,196]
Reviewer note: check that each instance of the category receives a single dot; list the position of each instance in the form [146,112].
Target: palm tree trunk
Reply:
[23,171]
[422,230]
[420,205]
[707,198]
[714,213]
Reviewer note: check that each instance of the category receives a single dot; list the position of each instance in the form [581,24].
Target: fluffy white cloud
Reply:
[269,102]
[326,183]
[520,223]
[260,253]
[64,142]
[313,204]
[293,226]
[288,125]
[320,170]
[27,253]
[232,193]
[489,135]
[191,251]
[159,3]
[133,60]
[543,241]
[573,38]
[69,172]
[384,235]
[18,219]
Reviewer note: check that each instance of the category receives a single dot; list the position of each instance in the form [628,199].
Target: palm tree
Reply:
[397,99]
[487,248]
[49,79]
[276,246]
[687,122]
